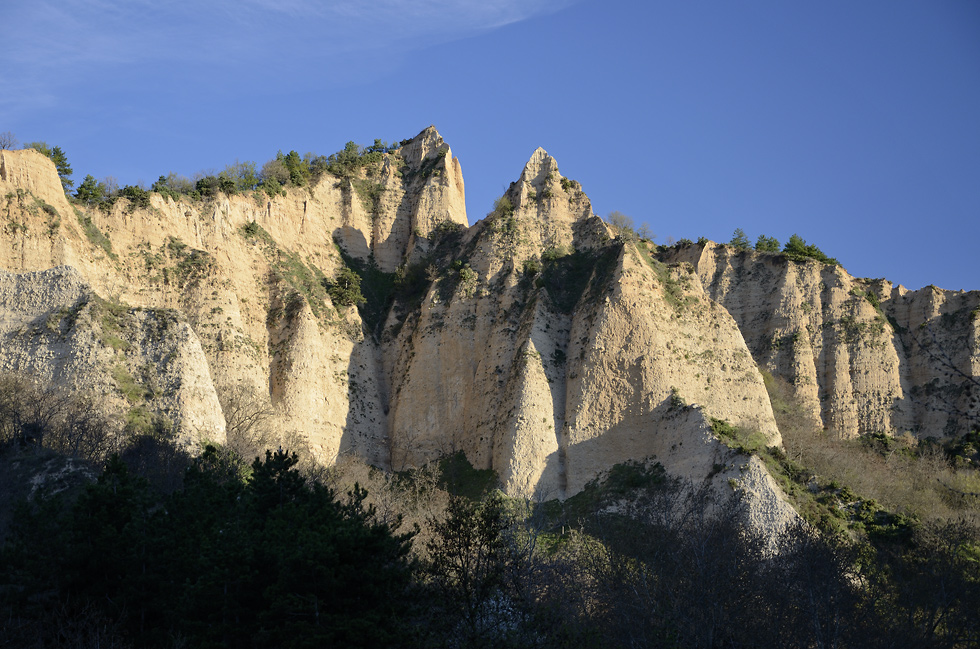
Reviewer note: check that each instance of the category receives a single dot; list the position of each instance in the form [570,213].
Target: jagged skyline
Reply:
[853,126]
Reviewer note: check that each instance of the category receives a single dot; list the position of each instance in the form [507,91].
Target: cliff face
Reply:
[418,189]
[249,273]
[549,352]
[141,362]
[862,355]
[534,341]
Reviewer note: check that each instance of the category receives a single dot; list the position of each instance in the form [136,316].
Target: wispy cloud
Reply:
[414,16]
[51,45]
[442,15]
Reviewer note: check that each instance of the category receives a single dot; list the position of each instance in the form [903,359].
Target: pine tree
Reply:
[60,162]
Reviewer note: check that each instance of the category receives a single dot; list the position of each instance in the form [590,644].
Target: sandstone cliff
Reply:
[864,356]
[146,364]
[549,352]
[249,274]
[534,340]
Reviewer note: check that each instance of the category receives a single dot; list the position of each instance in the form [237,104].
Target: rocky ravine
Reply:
[533,341]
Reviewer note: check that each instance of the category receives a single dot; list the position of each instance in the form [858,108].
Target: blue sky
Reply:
[854,124]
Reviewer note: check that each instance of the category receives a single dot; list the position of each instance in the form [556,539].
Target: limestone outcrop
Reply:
[413,193]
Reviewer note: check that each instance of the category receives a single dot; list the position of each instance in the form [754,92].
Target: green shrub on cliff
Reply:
[767,244]
[798,249]
[345,289]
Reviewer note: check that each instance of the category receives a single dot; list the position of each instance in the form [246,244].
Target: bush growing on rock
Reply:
[798,249]
[345,290]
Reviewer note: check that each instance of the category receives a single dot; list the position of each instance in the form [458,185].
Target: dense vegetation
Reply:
[164,550]
[267,561]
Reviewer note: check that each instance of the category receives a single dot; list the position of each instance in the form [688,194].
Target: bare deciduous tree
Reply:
[48,416]
[85,430]
[28,411]
[963,384]
[622,224]
[275,170]
[248,415]
[8,141]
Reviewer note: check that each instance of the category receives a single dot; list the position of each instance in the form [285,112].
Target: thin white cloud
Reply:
[413,16]
[430,15]
[96,30]
[51,44]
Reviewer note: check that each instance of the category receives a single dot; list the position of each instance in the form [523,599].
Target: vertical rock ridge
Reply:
[861,355]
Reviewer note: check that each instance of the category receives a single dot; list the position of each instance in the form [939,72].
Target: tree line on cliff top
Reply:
[284,170]
[796,248]
[292,169]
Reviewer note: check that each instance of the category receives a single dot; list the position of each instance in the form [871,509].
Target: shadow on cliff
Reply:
[365,431]
[674,434]
[352,242]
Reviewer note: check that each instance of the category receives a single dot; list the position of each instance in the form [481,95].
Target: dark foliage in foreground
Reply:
[271,562]
[639,560]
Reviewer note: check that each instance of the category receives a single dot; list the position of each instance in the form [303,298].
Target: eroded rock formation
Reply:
[534,341]
[864,356]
